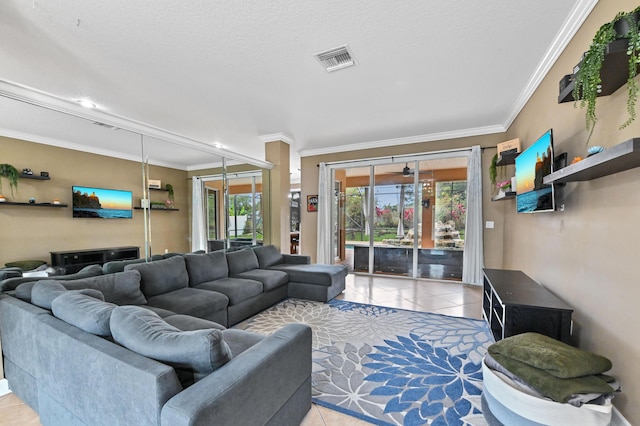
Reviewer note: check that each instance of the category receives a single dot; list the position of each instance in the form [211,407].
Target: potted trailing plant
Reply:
[170,195]
[493,169]
[588,82]
[11,173]
[632,34]
[494,172]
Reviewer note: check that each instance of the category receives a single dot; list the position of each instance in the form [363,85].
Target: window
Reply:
[450,214]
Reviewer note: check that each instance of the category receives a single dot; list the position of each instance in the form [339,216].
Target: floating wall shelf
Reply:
[157,209]
[506,159]
[614,72]
[37,177]
[619,158]
[11,203]
[504,196]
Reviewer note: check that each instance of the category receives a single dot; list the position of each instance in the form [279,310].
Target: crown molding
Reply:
[42,99]
[276,137]
[574,21]
[29,137]
[429,137]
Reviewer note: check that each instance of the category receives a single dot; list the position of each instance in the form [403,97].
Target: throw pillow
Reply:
[194,354]
[550,355]
[83,311]
[44,292]
[25,265]
[268,256]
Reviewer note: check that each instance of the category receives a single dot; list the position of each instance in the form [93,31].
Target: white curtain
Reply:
[365,211]
[473,261]
[400,231]
[198,227]
[324,215]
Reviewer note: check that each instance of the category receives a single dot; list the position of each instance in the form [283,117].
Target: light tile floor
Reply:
[449,298]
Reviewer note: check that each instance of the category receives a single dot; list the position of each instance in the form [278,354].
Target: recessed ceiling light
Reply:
[86,103]
[218,145]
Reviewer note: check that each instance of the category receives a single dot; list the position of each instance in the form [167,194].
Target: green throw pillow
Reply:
[25,265]
[550,355]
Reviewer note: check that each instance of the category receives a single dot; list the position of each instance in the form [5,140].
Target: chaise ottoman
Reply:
[306,281]
[314,281]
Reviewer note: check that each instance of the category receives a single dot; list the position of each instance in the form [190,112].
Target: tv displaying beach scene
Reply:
[90,202]
[532,165]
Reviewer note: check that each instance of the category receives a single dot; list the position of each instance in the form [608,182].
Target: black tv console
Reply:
[73,261]
[513,303]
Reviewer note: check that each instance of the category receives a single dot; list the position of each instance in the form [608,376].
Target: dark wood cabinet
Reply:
[513,303]
[73,261]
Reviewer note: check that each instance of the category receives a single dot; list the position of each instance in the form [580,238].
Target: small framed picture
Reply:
[312,203]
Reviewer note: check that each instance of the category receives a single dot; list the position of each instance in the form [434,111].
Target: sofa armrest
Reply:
[296,259]
[252,387]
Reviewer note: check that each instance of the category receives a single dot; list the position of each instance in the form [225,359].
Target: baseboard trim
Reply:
[618,419]
[4,387]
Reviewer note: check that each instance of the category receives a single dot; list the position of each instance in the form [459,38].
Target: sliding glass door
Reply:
[402,218]
[235,218]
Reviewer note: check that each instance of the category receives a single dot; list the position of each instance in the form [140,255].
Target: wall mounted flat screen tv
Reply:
[89,202]
[532,165]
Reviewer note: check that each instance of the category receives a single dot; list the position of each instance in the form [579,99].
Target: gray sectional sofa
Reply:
[149,345]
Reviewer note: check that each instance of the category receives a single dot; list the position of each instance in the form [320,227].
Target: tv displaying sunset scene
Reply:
[89,202]
[532,165]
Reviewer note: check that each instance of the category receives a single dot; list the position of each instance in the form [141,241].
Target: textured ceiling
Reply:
[229,71]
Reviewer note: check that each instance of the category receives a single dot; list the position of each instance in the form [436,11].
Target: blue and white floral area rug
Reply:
[389,366]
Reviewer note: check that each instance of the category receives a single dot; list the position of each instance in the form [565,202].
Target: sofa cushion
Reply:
[83,311]
[23,291]
[236,289]
[189,323]
[194,354]
[240,340]
[162,313]
[191,301]
[122,288]
[206,267]
[161,276]
[268,256]
[44,292]
[241,261]
[270,279]
[326,275]
[114,266]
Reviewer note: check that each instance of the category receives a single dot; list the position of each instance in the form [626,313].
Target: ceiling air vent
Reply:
[337,58]
[108,126]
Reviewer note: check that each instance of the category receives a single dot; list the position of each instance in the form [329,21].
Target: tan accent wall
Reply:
[32,232]
[277,195]
[587,254]
[491,211]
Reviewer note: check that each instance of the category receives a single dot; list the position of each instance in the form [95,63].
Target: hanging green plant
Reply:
[633,51]
[11,173]
[493,169]
[588,83]
[169,189]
